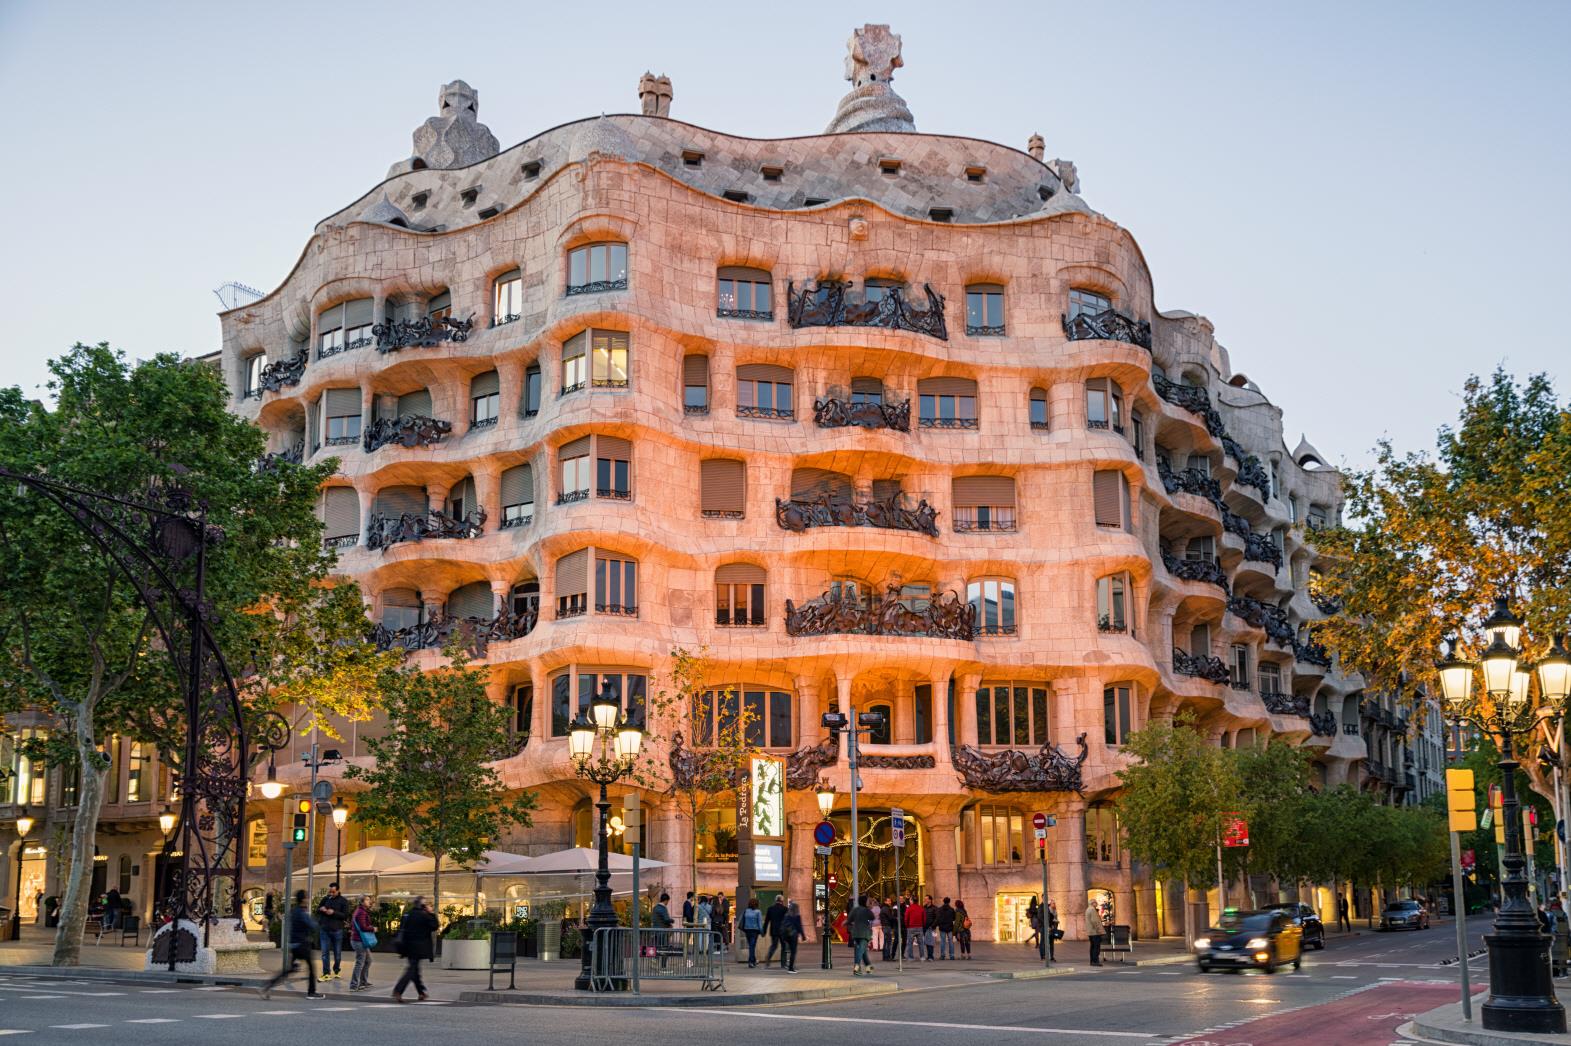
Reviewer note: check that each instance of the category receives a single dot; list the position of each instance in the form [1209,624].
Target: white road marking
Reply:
[16,1031]
[159,991]
[78,1027]
[42,996]
[217,1016]
[918,1024]
[1344,977]
[334,1009]
[154,1020]
[276,1013]
[216,988]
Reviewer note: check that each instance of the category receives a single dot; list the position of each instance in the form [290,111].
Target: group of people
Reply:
[333,921]
[782,922]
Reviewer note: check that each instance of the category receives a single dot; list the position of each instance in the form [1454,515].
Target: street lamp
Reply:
[852,726]
[340,818]
[826,805]
[1521,993]
[272,788]
[826,798]
[24,824]
[166,821]
[620,740]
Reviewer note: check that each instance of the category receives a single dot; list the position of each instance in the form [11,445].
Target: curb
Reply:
[1031,975]
[100,973]
[706,1000]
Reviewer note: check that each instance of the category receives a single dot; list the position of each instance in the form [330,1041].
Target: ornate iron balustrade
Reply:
[771,413]
[1351,729]
[475,633]
[341,541]
[596,287]
[283,372]
[826,304]
[1049,770]
[1286,704]
[323,352]
[293,454]
[1272,619]
[616,609]
[1189,481]
[609,383]
[950,423]
[1311,653]
[744,314]
[985,526]
[483,423]
[1233,523]
[1202,666]
[386,531]
[947,617]
[1193,399]
[522,519]
[502,321]
[985,330]
[874,761]
[1323,724]
[996,630]
[1327,605]
[836,413]
[423,333]
[804,764]
[1261,549]
[1107,624]
[722,513]
[613,493]
[1251,473]
[569,497]
[1107,325]
[887,513]
[1208,570]
[406,430]
[695,411]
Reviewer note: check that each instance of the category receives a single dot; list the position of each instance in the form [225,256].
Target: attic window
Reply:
[736,196]
[531,170]
[771,174]
[469,196]
[815,201]
[491,211]
[691,158]
[941,214]
[418,200]
[889,165]
[401,223]
[1045,192]
[416,164]
[976,174]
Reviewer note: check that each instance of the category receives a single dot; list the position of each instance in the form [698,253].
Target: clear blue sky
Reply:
[1369,200]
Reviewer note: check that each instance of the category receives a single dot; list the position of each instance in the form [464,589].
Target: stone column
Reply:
[799,874]
[436,496]
[940,686]
[487,475]
[1072,904]
[500,593]
[1145,910]
[903,707]
[943,853]
[540,724]
[367,509]
[965,698]
[808,730]
[673,844]
[843,693]
[510,382]
[367,409]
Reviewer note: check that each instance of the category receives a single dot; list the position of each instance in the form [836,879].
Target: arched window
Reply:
[1087,303]
[1039,409]
[340,517]
[992,602]
[947,403]
[597,267]
[985,310]
[1103,834]
[518,496]
[695,384]
[523,703]
[744,294]
[723,488]
[764,390]
[344,326]
[739,595]
[1104,405]
[508,301]
[485,394]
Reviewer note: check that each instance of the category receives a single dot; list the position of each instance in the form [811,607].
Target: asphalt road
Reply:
[1355,993]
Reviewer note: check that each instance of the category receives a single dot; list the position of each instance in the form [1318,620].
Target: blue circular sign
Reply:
[824,834]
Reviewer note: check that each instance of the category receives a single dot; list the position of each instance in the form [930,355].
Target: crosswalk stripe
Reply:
[276,1013]
[154,1020]
[25,997]
[216,1016]
[78,1027]
[16,1031]
[159,991]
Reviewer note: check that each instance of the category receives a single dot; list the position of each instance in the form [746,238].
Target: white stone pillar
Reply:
[940,687]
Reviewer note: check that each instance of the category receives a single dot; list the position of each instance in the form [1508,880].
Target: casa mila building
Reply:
[878,420]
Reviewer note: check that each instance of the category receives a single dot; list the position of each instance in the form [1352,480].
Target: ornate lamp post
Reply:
[826,805]
[1521,993]
[340,818]
[620,741]
[24,824]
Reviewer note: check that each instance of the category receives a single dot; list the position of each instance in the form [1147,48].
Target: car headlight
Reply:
[1202,943]
[1258,942]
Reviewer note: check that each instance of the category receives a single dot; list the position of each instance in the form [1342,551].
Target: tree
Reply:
[1273,779]
[431,774]
[76,641]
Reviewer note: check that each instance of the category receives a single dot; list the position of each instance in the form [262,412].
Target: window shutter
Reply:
[1096,385]
[946,387]
[465,492]
[357,313]
[471,600]
[1200,640]
[695,370]
[510,274]
[416,402]
[342,403]
[1109,501]
[401,597]
[867,385]
[573,347]
[972,491]
[884,489]
[763,372]
[572,574]
[518,486]
[614,447]
[330,319]
[340,512]
[740,574]
[724,483]
[742,272]
[485,384]
[578,448]
[439,302]
[396,501]
[810,483]
[1038,395]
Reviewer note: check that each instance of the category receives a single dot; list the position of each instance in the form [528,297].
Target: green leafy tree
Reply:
[1273,780]
[431,774]
[76,640]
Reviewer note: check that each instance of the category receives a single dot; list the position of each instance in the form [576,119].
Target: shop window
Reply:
[1012,714]
[716,832]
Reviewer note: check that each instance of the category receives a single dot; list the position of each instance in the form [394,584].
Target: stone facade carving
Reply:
[874,761]
[454,137]
[1035,146]
[944,617]
[1049,770]
[654,94]
[872,56]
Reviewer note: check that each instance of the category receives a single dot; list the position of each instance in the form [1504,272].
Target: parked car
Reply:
[1314,931]
[1404,915]
[1251,940]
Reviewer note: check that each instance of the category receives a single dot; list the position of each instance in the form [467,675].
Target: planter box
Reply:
[465,955]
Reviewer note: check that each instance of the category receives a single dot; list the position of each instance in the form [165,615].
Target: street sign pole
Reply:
[1044,932]
[1461,923]
[827,963]
[1221,883]
[897,833]
[283,909]
[1461,801]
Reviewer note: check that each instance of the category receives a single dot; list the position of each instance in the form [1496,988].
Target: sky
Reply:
[1367,199]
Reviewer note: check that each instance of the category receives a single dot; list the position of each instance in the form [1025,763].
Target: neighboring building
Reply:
[1405,739]
[877,418]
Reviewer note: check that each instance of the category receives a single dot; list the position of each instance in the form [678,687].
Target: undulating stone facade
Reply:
[878,419]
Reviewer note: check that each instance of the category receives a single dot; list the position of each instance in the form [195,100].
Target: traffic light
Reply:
[1495,802]
[1461,800]
[302,809]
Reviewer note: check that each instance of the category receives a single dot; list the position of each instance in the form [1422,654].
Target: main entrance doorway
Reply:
[879,858]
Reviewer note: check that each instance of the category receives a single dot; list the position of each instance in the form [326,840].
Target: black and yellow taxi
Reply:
[1251,941]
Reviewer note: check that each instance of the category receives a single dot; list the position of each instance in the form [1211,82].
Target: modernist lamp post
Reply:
[24,824]
[852,726]
[826,805]
[340,818]
[1521,993]
[620,740]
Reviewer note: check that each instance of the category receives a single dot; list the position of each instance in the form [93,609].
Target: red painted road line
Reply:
[1368,1018]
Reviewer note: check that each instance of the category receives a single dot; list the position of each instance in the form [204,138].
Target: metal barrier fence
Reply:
[624,957]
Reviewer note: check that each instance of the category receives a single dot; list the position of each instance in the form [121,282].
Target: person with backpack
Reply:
[774,922]
[859,920]
[415,945]
[362,938]
[963,929]
[791,933]
[752,922]
[302,931]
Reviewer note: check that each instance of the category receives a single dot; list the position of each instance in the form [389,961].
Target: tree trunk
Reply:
[436,887]
[84,836]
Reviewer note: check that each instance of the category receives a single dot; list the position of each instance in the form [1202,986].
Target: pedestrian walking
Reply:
[722,918]
[913,919]
[1034,920]
[774,921]
[1094,931]
[111,909]
[752,925]
[889,920]
[1054,934]
[860,921]
[331,915]
[1342,922]
[963,929]
[791,934]
[415,945]
[660,917]
[877,944]
[946,930]
[362,938]
[302,931]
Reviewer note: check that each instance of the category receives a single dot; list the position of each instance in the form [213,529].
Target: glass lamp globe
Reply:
[1456,679]
[271,788]
[1499,663]
[826,800]
[166,822]
[340,814]
[581,739]
[1504,625]
[24,824]
[605,708]
[629,741]
[1554,675]
[1521,682]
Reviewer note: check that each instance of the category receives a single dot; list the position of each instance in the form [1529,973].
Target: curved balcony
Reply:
[1262,549]
[1201,666]
[1207,570]
[1048,770]
[826,304]
[406,430]
[1287,704]
[1189,481]
[836,414]
[1107,325]
[1309,652]
[888,513]
[424,333]
[942,618]
[1323,724]
[293,454]
[1193,399]
[1270,619]
[283,372]
[1251,473]
[383,532]
[475,634]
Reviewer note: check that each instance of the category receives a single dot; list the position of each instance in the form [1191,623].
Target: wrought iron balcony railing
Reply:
[837,413]
[946,617]
[1323,724]
[744,314]
[1261,549]
[1107,325]
[1311,653]
[1202,666]
[596,287]
[772,413]
[293,454]
[386,531]
[1192,398]
[1046,770]
[1189,481]
[474,633]
[888,513]
[827,304]
[406,430]
[1272,619]
[1208,570]
[423,333]
[1286,704]
[283,372]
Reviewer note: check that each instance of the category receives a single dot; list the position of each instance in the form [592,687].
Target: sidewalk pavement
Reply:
[1445,1024]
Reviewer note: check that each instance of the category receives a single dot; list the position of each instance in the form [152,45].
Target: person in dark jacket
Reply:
[912,919]
[331,915]
[963,929]
[360,928]
[302,931]
[752,922]
[929,925]
[415,945]
[111,909]
[946,930]
[791,933]
[889,916]
[774,920]
[860,922]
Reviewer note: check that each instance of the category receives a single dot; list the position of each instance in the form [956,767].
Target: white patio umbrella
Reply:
[573,870]
[372,860]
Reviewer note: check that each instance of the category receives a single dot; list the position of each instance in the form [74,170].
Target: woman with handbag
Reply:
[963,929]
[362,937]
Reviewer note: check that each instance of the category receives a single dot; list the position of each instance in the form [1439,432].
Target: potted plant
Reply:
[550,942]
[466,945]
